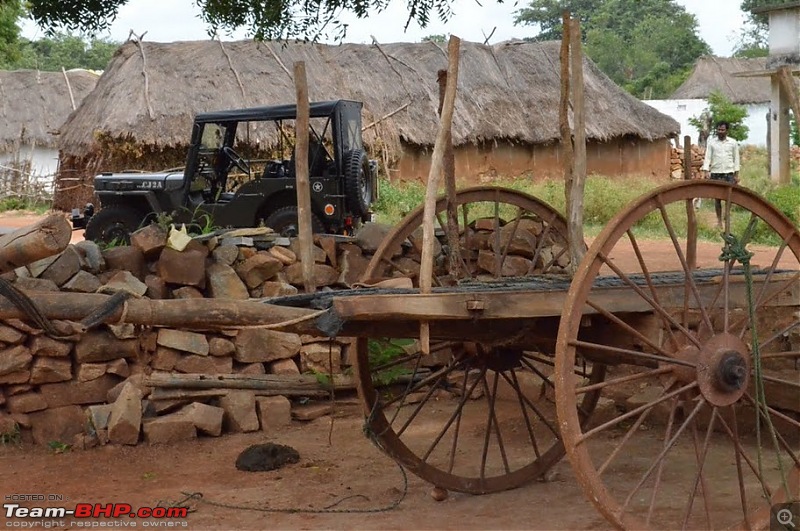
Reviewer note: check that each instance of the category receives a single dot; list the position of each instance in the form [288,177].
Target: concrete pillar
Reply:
[779,135]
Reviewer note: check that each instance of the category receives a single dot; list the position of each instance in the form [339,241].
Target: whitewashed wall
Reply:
[682,110]
[44,162]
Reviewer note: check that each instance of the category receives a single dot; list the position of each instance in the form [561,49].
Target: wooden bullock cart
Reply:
[669,382]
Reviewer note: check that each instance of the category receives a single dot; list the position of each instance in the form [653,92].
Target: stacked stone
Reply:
[49,388]
[677,162]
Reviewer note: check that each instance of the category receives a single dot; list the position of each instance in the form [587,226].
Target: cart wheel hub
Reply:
[500,359]
[723,369]
[731,372]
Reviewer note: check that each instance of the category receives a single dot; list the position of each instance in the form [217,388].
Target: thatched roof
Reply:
[35,104]
[716,73]
[506,91]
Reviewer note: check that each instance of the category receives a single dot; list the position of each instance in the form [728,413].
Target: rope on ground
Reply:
[198,498]
[733,250]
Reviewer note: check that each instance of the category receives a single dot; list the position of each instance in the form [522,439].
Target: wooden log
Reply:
[301,176]
[437,164]
[563,115]
[202,314]
[203,385]
[691,223]
[276,384]
[24,246]
[453,240]
[578,182]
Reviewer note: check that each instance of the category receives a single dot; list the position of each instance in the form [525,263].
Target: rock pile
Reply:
[676,162]
[50,388]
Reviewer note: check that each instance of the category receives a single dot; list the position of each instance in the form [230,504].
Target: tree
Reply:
[647,46]
[721,109]
[65,51]
[265,19]
[546,16]
[438,38]
[10,12]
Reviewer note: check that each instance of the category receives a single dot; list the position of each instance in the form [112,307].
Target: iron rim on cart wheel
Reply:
[681,446]
[483,420]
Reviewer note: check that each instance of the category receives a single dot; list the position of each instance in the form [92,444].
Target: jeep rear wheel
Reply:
[113,224]
[357,182]
[284,222]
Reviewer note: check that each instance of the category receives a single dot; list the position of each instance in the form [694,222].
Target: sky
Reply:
[719,21]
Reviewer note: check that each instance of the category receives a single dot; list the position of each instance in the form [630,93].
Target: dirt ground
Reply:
[345,468]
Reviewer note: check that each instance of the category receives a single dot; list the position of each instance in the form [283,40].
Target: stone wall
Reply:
[91,388]
[100,385]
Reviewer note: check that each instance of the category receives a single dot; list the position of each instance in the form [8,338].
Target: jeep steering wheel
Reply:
[236,160]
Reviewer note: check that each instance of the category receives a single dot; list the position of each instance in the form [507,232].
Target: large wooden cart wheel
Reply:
[700,428]
[470,417]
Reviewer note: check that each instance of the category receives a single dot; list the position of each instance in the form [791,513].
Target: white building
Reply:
[718,74]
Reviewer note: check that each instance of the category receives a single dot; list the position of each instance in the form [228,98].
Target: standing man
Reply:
[722,162]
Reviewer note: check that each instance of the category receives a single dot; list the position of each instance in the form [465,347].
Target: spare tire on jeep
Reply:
[357,182]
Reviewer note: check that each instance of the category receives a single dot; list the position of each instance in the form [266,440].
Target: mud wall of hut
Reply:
[485,163]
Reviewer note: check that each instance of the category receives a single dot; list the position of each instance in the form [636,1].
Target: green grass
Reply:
[17,203]
[605,196]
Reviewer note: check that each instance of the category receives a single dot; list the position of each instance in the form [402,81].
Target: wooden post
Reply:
[563,114]
[453,240]
[437,164]
[301,173]
[691,223]
[578,181]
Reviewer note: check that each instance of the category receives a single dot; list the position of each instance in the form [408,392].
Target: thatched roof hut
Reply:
[717,74]
[35,104]
[507,94]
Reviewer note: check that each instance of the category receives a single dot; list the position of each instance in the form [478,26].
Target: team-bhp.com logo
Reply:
[157,516]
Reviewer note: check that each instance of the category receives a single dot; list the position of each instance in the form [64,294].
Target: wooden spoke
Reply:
[624,379]
[632,353]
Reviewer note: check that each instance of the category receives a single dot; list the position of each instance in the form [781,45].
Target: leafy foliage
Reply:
[648,46]
[383,351]
[721,109]
[264,19]
[67,51]
[10,12]
[546,16]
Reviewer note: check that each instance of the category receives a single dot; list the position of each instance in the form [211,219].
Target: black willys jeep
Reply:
[220,187]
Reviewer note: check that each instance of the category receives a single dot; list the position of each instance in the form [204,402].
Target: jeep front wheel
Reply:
[357,182]
[284,222]
[113,224]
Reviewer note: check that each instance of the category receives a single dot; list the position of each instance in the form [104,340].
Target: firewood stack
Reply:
[676,162]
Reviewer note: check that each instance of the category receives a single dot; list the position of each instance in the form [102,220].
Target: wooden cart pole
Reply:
[301,173]
[563,121]
[578,184]
[437,163]
[691,219]
[450,188]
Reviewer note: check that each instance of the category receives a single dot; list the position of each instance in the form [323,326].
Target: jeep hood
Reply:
[166,181]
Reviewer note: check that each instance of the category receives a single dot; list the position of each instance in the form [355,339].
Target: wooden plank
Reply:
[301,177]
[578,181]
[529,304]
